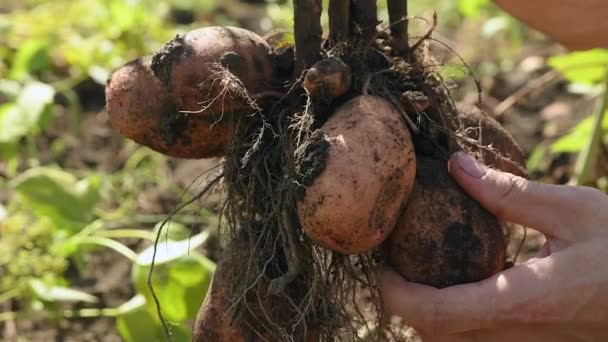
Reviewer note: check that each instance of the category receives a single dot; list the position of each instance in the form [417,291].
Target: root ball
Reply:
[444,237]
[354,203]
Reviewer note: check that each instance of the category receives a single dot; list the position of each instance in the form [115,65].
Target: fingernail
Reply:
[469,165]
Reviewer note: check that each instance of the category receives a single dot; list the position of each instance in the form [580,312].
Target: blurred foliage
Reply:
[57,219]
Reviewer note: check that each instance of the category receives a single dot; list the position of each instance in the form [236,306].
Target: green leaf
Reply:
[171,250]
[99,74]
[576,139]
[587,67]
[180,285]
[172,231]
[32,56]
[57,195]
[495,25]
[59,293]
[109,243]
[3,213]
[471,8]
[24,115]
[135,323]
[537,160]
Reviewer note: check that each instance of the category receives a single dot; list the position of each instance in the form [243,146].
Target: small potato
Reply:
[141,109]
[354,203]
[328,78]
[481,127]
[444,237]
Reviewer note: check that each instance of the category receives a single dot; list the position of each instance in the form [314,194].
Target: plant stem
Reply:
[587,160]
[339,21]
[307,33]
[38,315]
[364,21]
[397,15]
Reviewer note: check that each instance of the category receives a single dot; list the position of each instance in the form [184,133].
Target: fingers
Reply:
[525,294]
[564,212]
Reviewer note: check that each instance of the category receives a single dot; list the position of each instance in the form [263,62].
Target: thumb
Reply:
[564,212]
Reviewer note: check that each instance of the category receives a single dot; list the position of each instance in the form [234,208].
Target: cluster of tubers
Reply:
[375,191]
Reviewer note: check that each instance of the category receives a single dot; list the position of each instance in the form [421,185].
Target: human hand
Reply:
[561,295]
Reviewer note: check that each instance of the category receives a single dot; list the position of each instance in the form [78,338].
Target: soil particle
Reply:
[163,60]
[312,157]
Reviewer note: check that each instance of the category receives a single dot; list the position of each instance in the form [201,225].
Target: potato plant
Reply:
[335,153]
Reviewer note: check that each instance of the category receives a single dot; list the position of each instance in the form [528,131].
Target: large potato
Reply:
[141,109]
[194,68]
[353,205]
[443,236]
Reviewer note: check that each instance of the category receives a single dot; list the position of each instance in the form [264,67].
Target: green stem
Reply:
[127,234]
[112,244]
[38,315]
[587,160]
[10,294]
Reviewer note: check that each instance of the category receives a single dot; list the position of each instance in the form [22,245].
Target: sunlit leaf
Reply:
[576,139]
[3,213]
[57,194]
[135,323]
[471,8]
[31,57]
[180,285]
[172,231]
[60,294]
[171,250]
[495,25]
[99,74]
[537,160]
[24,115]
[587,67]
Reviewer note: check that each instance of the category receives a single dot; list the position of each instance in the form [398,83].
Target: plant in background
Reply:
[51,222]
[588,72]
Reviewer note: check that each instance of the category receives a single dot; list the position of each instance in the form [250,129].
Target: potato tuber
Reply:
[354,203]
[328,78]
[141,109]
[444,237]
[488,132]
[213,71]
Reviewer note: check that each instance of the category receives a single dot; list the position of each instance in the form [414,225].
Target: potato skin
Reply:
[136,101]
[493,134]
[328,78]
[212,323]
[353,205]
[189,67]
[444,237]
[141,109]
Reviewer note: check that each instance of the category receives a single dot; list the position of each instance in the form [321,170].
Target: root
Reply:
[157,303]
[293,263]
